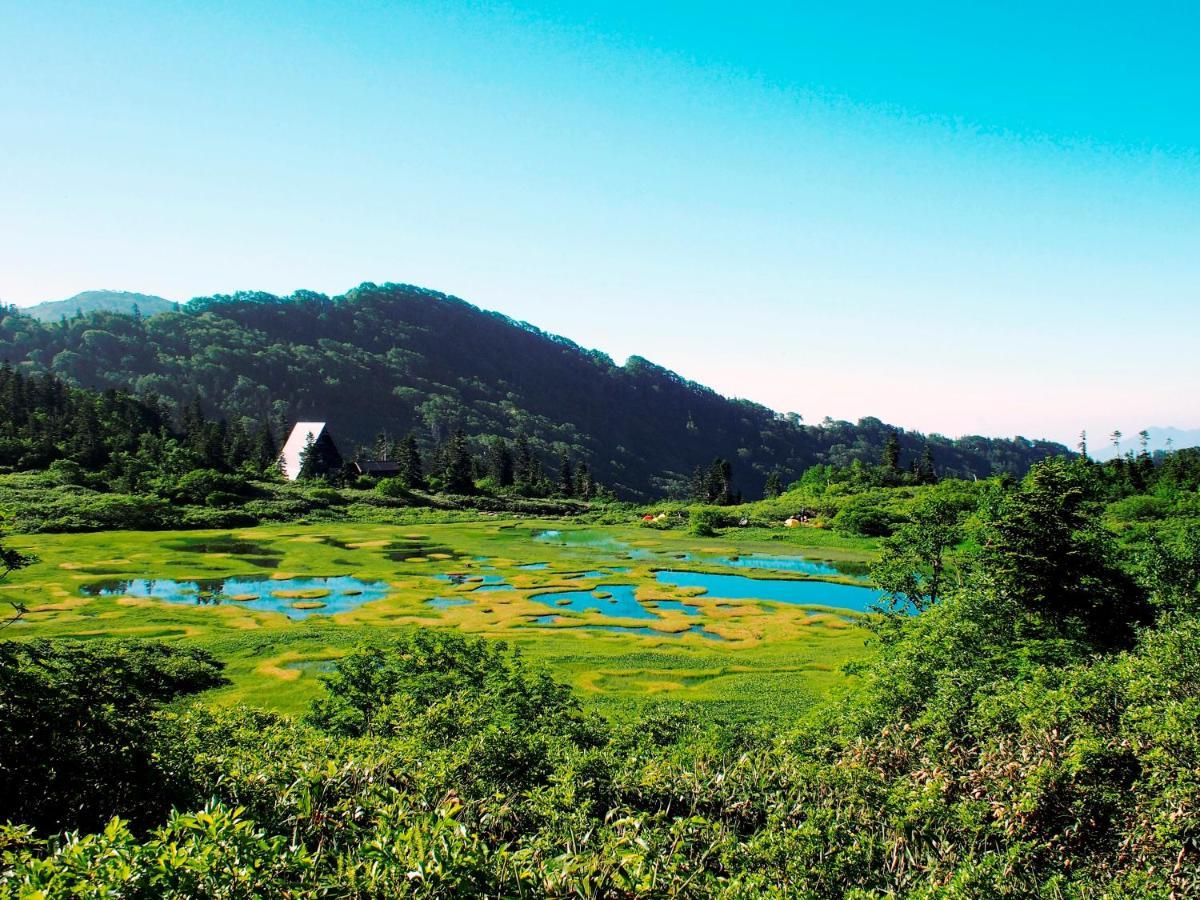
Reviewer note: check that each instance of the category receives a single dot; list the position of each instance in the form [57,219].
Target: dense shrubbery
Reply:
[1034,732]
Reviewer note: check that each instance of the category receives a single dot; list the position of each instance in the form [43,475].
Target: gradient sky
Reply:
[956,217]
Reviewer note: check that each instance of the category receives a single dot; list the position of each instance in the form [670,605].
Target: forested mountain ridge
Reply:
[396,358]
[100,301]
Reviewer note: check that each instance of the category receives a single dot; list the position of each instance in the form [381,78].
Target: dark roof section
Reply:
[377,467]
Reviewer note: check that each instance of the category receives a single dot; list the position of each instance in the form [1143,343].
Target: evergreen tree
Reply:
[412,470]
[457,467]
[774,485]
[566,477]
[891,453]
[719,486]
[310,461]
[523,463]
[585,486]
[926,472]
[265,454]
[500,462]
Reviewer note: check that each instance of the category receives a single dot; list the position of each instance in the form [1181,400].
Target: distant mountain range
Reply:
[1102,448]
[99,301]
[395,358]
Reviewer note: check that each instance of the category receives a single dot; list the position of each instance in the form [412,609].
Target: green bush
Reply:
[866,516]
[703,521]
[75,729]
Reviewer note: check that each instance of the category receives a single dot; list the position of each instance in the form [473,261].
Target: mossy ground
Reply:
[773,659]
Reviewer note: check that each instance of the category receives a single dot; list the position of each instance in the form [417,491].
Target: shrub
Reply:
[865,516]
[75,729]
[703,521]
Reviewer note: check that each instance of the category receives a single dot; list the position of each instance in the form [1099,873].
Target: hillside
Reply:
[397,358]
[99,301]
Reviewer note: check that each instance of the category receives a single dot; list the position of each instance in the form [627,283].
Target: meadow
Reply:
[585,599]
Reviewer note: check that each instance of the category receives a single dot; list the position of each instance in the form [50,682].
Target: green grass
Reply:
[775,659]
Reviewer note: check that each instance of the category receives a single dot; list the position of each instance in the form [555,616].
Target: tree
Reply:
[1043,546]
[585,485]
[566,476]
[891,453]
[500,462]
[911,570]
[76,736]
[926,472]
[457,470]
[774,485]
[412,471]
[523,462]
[265,452]
[310,460]
[715,483]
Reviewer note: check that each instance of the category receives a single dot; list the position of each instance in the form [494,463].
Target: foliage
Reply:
[1034,731]
[75,740]
[397,358]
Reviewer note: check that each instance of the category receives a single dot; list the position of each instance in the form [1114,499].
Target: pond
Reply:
[621,602]
[583,538]
[801,592]
[313,596]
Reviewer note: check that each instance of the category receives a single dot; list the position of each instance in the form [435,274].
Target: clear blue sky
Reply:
[957,217]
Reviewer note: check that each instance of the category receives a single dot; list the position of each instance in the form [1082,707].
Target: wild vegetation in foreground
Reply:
[1034,731]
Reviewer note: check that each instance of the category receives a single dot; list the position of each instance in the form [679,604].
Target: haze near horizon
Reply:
[956,221]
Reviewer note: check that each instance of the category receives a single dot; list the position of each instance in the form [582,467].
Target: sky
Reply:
[960,218]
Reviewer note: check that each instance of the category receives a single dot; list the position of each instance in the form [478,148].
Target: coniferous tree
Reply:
[500,462]
[926,471]
[891,453]
[457,469]
[774,485]
[266,452]
[310,461]
[585,486]
[412,470]
[523,463]
[566,477]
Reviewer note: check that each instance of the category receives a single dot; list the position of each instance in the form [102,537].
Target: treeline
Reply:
[114,460]
[132,444]
[399,359]
[1034,731]
[495,467]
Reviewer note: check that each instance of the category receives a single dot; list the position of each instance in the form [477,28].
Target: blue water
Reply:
[590,539]
[804,593]
[447,602]
[346,592]
[465,578]
[534,566]
[781,564]
[622,604]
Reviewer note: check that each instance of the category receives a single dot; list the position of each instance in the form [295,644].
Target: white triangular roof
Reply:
[289,457]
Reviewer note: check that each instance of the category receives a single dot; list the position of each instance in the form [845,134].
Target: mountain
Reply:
[100,301]
[396,358]
[1159,439]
